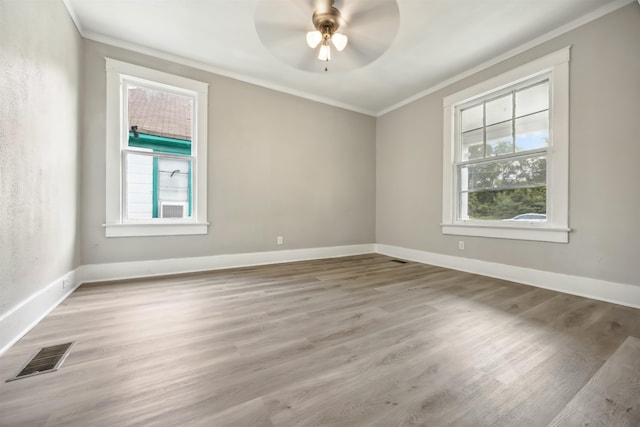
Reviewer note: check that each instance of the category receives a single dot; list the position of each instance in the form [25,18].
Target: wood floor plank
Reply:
[350,341]
[612,395]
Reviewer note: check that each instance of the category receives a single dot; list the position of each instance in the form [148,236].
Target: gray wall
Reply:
[278,165]
[40,54]
[604,162]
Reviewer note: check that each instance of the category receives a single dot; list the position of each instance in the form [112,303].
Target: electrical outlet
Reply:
[66,282]
[280,240]
[461,245]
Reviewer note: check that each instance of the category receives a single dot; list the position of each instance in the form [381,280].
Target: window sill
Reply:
[540,234]
[157,229]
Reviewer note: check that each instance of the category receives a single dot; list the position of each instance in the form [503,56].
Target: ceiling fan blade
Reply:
[284,13]
[279,39]
[371,26]
[352,57]
[374,12]
[378,18]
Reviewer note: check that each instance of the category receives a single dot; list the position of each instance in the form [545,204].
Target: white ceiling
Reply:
[436,41]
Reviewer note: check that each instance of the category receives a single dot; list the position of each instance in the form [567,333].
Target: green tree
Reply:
[505,188]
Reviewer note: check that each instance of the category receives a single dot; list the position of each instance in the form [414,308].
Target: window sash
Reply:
[504,176]
[126,81]
[533,156]
[155,186]
[513,120]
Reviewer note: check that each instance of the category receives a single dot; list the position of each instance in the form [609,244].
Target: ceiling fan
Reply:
[300,32]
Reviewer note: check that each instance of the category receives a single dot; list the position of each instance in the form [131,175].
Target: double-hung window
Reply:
[156,152]
[505,171]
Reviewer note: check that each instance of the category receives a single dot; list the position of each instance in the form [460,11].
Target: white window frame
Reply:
[117,225]
[556,228]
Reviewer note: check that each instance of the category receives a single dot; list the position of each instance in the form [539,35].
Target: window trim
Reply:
[556,228]
[117,74]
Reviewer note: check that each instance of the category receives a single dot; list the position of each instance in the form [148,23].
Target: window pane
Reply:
[472,145]
[532,132]
[499,110]
[159,120]
[499,139]
[157,187]
[517,205]
[139,183]
[503,189]
[471,118]
[174,184]
[518,172]
[533,99]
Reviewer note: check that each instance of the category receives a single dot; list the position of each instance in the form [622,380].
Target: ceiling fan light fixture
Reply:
[325,52]
[339,41]
[327,19]
[314,38]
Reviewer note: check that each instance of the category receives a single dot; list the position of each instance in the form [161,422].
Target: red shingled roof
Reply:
[160,113]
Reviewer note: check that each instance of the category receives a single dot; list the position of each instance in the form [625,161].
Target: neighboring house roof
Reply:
[160,113]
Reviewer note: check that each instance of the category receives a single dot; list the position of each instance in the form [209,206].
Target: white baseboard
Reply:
[614,292]
[15,323]
[135,269]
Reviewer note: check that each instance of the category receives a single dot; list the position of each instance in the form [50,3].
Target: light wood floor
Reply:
[356,341]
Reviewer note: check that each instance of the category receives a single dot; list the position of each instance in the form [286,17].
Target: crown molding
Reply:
[74,17]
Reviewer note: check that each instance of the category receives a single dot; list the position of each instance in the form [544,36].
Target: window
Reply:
[156,153]
[506,154]
[502,163]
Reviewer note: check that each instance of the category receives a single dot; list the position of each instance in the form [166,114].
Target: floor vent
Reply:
[48,359]
[399,261]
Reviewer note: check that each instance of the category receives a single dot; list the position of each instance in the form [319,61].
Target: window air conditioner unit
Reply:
[173,209]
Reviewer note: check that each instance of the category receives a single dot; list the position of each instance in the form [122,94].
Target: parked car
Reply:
[528,217]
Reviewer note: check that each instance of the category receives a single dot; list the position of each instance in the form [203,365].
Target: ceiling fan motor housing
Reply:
[327,21]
